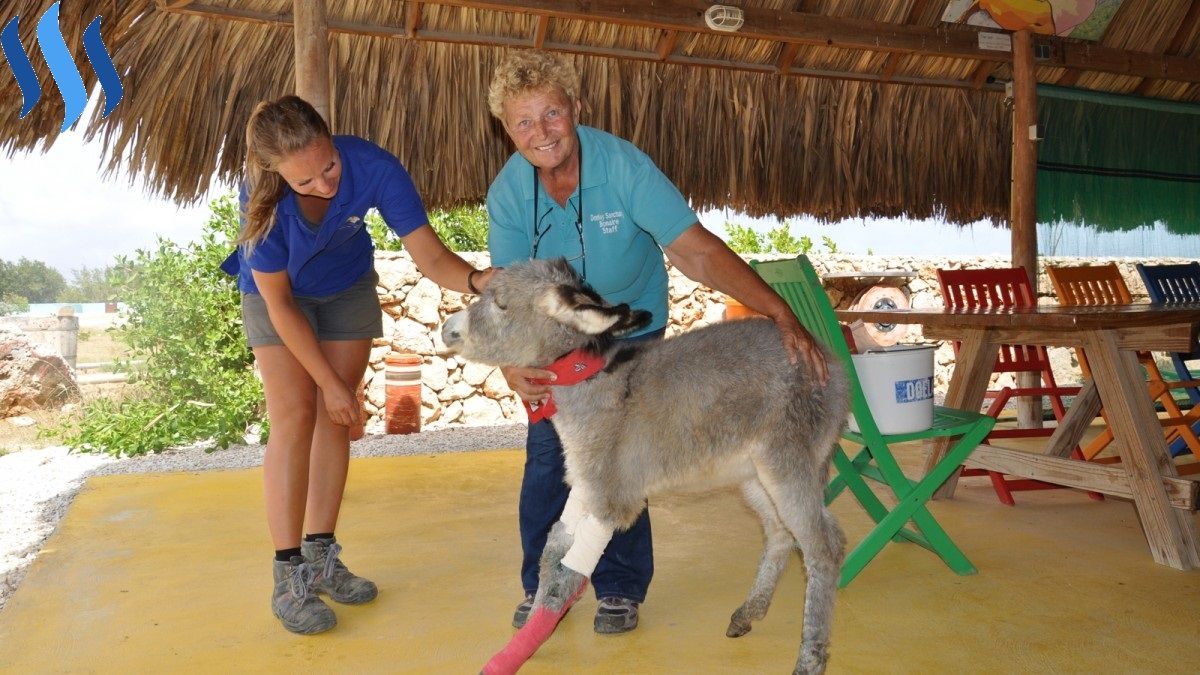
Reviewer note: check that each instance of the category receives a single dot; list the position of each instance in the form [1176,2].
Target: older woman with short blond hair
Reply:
[582,194]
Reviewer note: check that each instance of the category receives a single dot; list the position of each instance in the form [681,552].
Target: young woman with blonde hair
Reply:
[305,269]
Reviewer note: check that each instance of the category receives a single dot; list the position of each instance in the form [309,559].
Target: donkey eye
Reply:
[503,307]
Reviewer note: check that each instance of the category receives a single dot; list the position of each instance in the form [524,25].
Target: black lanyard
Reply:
[538,234]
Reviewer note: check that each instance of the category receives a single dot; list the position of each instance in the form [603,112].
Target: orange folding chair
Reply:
[1103,285]
[1008,287]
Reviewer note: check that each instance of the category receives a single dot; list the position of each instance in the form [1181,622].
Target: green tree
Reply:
[744,240]
[90,285]
[779,239]
[33,280]
[463,228]
[782,241]
[11,303]
[184,320]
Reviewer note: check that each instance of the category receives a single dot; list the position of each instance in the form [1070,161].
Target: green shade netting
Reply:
[1117,162]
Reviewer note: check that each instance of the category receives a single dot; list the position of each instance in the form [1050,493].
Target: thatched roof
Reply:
[757,120]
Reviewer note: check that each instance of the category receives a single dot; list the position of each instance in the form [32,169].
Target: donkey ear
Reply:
[584,311]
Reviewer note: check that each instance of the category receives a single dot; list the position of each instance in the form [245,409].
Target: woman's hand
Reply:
[801,346]
[520,380]
[341,405]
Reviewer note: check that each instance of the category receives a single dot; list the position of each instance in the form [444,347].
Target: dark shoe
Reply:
[293,601]
[522,614]
[616,615]
[332,577]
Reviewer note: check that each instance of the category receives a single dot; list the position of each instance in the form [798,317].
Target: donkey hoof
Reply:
[737,628]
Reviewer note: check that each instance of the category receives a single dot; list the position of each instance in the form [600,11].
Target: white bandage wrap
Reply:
[572,512]
[591,538]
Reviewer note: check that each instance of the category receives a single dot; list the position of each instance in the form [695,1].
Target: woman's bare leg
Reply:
[329,452]
[292,407]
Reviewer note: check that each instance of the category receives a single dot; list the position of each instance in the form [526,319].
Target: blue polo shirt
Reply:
[630,210]
[339,252]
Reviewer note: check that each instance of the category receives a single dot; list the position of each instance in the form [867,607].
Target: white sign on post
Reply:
[997,42]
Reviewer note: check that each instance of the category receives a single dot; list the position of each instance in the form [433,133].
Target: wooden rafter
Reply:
[916,9]
[666,44]
[982,72]
[1186,27]
[794,28]
[847,33]
[412,19]
[787,55]
[539,33]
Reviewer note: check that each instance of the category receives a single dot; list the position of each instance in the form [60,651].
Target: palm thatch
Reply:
[744,122]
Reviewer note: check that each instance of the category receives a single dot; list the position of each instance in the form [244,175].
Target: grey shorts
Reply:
[353,314]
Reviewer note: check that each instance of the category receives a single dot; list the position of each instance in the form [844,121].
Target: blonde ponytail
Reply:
[276,130]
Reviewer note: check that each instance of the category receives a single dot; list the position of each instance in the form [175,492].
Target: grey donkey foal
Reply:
[720,405]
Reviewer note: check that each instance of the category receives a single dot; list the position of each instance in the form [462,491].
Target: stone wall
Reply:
[454,392]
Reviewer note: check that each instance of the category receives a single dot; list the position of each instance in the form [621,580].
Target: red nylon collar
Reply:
[573,368]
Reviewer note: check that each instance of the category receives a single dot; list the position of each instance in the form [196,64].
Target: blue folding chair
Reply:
[1176,283]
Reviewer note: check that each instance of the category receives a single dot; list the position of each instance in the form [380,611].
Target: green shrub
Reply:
[184,320]
[11,303]
[463,228]
[745,241]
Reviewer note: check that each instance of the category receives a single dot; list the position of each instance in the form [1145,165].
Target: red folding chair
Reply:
[1008,287]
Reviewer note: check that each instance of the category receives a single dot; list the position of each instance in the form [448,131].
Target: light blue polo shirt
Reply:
[339,252]
[630,211]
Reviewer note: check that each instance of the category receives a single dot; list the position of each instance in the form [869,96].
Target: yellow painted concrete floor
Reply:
[171,573]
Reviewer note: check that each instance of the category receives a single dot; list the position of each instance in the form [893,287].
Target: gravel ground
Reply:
[37,486]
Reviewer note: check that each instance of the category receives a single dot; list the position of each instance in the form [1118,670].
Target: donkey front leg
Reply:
[572,550]
[569,559]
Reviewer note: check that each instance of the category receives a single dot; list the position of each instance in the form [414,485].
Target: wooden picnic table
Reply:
[1111,336]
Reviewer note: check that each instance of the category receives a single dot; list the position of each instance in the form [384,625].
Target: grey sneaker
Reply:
[293,601]
[616,615]
[522,614]
[332,576]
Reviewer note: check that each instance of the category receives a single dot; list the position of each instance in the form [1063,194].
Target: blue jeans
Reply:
[627,564]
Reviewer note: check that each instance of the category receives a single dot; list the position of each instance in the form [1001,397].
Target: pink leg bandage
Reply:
[533,634]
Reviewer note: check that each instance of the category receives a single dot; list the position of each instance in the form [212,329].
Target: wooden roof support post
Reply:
[311,33]
[1023,194]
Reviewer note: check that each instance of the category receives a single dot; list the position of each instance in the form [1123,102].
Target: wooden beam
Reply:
[1171,533]
[1023,194]
[173,4]
[916,9]
[412,19]
[981,73]
[539,33]
[1079,417]
[1109,479]
[788,27]
[1069,78]
[1186,27]
[787,55]
[356,28]
[890,66]
[845,33]
[666,44]
[311,40]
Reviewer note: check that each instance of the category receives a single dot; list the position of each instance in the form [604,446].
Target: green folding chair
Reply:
[797,282]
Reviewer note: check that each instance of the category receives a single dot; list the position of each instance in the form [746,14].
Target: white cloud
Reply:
[55,207]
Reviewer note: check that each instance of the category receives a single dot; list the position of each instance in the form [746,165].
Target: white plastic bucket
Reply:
[898,384]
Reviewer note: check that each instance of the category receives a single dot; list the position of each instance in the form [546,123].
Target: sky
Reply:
[54,207]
